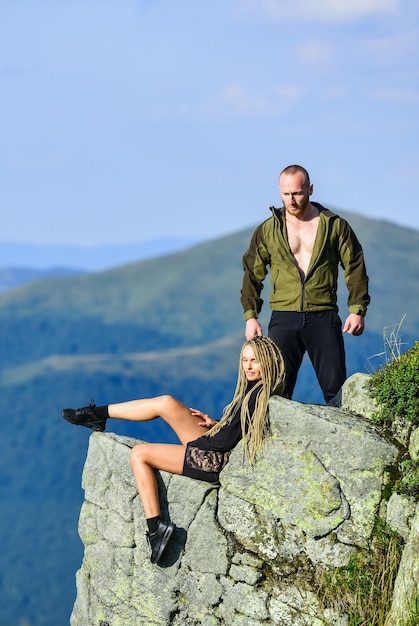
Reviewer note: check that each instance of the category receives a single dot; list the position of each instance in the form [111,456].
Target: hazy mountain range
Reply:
[52,258]
[168,324]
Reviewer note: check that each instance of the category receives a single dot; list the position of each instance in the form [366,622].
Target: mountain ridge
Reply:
[44,257]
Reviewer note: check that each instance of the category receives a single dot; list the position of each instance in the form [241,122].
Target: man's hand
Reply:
[354,325]
[253,328]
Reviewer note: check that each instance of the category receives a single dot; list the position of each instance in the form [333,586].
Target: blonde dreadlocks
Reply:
[256,426]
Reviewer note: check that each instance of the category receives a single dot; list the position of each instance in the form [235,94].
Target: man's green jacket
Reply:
[335,244]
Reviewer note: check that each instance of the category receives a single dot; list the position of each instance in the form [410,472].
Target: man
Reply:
[303,244]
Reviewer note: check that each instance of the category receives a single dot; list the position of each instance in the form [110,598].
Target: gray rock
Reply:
[244,553]
[350,449]
[354,397]
[405,606]
[400,512]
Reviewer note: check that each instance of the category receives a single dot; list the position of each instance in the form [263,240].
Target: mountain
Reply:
[23,263]
[11,277]
[171,324]
[93,258]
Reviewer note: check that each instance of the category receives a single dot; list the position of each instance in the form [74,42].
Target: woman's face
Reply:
[250,364]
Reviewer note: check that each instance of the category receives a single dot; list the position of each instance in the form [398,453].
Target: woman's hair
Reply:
[256,426]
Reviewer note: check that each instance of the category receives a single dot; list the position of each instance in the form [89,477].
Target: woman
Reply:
[205,443]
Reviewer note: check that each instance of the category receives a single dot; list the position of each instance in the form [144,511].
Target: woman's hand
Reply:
[204,419]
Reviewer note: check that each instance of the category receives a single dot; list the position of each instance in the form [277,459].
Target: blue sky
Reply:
[129,120]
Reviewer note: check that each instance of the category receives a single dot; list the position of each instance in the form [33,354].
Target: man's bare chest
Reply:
[301,240]
[302,237]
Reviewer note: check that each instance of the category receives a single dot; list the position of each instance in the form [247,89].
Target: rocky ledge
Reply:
[246,552]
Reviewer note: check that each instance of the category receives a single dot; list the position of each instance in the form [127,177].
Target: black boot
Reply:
[159,540]
[85,416]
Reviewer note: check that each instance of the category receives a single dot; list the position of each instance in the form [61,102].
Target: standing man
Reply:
[303,244]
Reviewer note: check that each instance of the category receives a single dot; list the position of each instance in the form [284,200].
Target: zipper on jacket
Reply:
[302,297]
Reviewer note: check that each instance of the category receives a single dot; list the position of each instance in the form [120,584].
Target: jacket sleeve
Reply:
[352,261]
[255,265]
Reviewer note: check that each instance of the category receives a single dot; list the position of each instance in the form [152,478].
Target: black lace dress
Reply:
[206,456]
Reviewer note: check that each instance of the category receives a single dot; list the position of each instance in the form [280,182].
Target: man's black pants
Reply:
[320,335]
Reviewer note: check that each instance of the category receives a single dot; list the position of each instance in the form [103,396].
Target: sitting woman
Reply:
[205,443]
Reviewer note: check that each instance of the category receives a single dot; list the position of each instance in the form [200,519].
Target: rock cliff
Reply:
[246,552]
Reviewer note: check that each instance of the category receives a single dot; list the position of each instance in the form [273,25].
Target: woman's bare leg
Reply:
[174,413]
[145,457]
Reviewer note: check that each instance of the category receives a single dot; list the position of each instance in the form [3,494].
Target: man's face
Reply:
[295,193]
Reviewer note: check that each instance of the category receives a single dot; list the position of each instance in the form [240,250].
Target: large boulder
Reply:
[246,552]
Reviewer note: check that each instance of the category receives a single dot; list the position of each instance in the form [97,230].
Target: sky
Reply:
[126,121]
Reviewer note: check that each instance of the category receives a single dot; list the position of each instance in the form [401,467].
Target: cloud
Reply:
[402,95]
[235,96]
[288,92]
[320,10]
[275,102]
[394,49]
[315,52]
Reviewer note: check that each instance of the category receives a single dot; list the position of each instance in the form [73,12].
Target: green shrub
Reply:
[395,388]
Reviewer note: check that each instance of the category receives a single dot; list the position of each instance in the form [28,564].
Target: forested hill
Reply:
[171,324]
